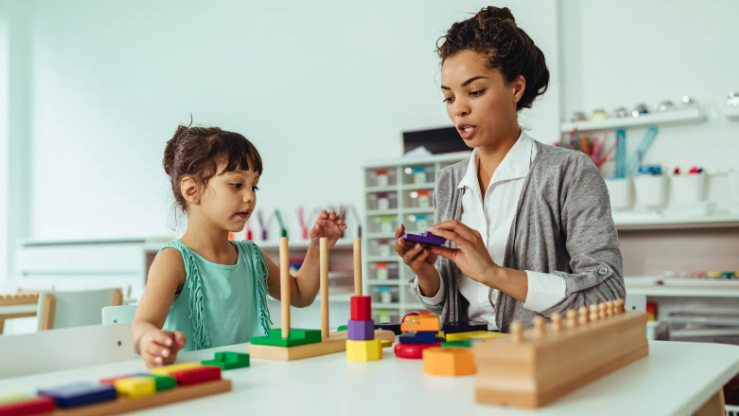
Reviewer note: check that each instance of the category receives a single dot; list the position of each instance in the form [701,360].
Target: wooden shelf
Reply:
[418,187]
[693,115]
[418,210]
[683,291]
[378,236]
[381,212]
[732,113]
[655,222]
[388,188]
[388,282]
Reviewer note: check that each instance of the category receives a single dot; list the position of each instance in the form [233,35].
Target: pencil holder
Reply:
[651,190]
[689,189]
[621,191]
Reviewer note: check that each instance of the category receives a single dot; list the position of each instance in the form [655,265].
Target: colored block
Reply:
[133,387]
[423,323]
[111,380]
[483,335]
[169,369]
[229,360]
[197,375]
[33,406]
[361,308]
[162,382]
[80,394]
[390,327]
[419,338]
[361,351]
[18,397]
[464,326]
[467,343]
[462,336]
[448,362]
[343,328]
[297,337]
[412,351]
[424,238]
[361,330]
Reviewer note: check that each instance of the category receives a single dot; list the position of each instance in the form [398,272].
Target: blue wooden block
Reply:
[80,394]
[361,330]
[418,338]
[464,326]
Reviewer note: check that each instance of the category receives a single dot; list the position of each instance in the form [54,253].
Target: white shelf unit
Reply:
[692,115]
[732,113]
[402,190]
[626,222]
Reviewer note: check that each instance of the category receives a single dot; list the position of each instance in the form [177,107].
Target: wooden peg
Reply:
[324,286]
[539,326]
[571,321]
[602,311]
[357,267]
[583,319]
[285,286]
[610,308]
[620,306]
[516,330]
[593,313]
[557,322]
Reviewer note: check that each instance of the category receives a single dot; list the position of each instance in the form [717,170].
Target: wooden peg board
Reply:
[539,368]
[25,298]
[336,342]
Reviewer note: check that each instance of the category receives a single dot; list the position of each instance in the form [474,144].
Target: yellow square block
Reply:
[360,351]
[169,369]
[135,386]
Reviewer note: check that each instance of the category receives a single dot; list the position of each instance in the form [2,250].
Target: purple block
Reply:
[425,238]
[361,330]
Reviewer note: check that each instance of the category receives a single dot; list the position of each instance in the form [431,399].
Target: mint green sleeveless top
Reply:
[221,304]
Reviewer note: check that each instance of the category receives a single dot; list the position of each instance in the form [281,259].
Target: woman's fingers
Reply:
[417,262]
[399,231]
[445,252]
[451,236]
[412,253]
[462,230]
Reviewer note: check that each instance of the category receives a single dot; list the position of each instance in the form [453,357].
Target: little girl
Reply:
[203,290]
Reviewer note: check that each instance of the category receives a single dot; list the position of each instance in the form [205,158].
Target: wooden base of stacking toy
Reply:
[554,360]
[336,342]
[450,361]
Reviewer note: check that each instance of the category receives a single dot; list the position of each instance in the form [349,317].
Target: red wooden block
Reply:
[413,351]
[28,407]
[197,375]
[361,308]
[111,381]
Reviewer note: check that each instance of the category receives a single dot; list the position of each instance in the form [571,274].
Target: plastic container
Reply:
[384,294]
[689,189]
[621,191]
[385,224]
[418,199]
[651,190]
[382,200]
[419,174]
[384,270]
[381,177]
[419,223]
[385,316]
[381,247]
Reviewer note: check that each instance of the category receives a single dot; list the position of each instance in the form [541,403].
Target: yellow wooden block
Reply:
[134,387]
[169,369]
[463,336]
[361,351]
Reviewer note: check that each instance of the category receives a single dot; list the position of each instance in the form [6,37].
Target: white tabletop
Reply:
[675,379]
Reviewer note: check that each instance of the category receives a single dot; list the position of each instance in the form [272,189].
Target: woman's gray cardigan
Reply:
[563,226]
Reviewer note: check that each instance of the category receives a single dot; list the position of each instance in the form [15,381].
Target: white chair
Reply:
[64,349]
[58,310]
[119,314]
[635,303]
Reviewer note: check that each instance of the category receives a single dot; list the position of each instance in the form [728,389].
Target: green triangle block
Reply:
[343,328]
[297,337]
[162,382]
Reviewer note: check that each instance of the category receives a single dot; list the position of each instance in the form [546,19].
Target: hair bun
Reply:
[496,13]
[171,149]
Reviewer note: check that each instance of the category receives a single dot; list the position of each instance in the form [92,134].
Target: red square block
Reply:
[28,407]
[197,375]
[361,308]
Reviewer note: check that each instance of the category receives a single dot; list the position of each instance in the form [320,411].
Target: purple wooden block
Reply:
[361,330]
[425,238]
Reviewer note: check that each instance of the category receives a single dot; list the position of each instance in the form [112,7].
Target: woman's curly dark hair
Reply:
[493,32]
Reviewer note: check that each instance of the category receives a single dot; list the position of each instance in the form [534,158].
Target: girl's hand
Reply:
[417,256]
[160,347]
[472,257]
[329,225]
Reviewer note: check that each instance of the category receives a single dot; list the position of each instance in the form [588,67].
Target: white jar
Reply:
[621,191]
[651,190]
[690,189]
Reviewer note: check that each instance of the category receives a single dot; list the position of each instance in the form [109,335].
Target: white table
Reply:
[675,379]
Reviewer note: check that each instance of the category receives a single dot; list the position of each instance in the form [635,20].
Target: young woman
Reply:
[531,224]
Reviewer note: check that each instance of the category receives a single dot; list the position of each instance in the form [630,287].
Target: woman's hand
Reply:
[160,347]
[417,256]
[329,225]
[472,257]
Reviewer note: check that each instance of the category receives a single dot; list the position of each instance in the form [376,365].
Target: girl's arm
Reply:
[157,347]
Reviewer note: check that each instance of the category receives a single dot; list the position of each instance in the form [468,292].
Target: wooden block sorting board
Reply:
[19,299]
[535,367]
[336,342]
[124,405]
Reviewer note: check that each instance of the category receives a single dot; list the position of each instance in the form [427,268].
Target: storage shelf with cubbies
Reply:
[398,191]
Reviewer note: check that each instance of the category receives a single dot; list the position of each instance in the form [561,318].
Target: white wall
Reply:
[319,87]
[3,139]
[628,51]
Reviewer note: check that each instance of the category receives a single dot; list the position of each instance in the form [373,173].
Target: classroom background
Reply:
[333,94]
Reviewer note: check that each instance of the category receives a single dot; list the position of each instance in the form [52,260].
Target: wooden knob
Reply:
[516,330]
[610,308]
[539,326]
[621,304]
[583,318]
[593,313]
[571,318]
[602,311]
[556,322]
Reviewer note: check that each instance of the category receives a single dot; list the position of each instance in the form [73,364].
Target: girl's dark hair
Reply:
[198,151]
[510,50]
